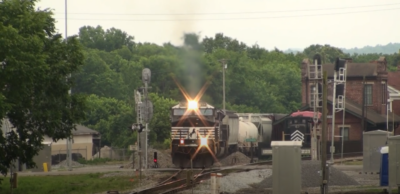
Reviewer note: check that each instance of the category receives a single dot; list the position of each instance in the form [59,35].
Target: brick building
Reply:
[376,95]
[394,93]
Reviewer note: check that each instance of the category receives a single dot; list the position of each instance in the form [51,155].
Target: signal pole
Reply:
[315,74]
[324,183]
[339,81]
[138,102]
[147,109]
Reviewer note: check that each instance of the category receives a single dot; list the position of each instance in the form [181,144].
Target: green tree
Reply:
[112,118]
[328,53]
[160,123]
[109,40]
[33,86]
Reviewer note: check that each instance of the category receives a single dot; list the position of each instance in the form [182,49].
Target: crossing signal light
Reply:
[339,63]
[155,157]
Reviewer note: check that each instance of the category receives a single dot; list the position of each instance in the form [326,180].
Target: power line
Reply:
[260,12]
[216,19]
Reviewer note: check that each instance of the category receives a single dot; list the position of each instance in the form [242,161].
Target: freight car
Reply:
[201,134]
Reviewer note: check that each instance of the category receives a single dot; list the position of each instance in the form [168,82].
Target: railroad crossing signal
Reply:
[297,136]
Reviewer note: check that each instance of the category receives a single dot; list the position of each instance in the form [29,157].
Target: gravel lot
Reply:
[233,182]
[311,178]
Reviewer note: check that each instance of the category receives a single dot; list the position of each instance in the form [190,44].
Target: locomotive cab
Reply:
[193,134]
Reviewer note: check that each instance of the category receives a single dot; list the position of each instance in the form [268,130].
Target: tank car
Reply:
[247,137]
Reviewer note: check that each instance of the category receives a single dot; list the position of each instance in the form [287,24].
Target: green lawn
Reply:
[71,184]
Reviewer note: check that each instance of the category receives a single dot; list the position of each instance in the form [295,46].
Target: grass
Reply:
[71,184]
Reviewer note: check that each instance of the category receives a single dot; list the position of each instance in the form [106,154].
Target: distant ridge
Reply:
[380,49]
[384,49]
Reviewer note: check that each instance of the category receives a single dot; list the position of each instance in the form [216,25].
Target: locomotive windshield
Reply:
[203,111]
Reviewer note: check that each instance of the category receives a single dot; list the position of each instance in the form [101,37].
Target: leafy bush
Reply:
[164,145]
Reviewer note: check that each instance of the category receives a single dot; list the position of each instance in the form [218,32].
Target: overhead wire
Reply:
[233,13]
[219,19]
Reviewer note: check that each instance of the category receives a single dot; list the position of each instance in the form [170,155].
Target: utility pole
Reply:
[69,140]
[224,66]
[324,182]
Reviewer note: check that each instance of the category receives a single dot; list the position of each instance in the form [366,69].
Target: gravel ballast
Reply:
[232,182]
[236,158]
[311,178]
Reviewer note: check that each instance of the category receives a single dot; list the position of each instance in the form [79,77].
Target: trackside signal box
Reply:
[394,161]
[286,176]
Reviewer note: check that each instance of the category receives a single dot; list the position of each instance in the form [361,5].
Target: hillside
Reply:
[380,49]
[384,49]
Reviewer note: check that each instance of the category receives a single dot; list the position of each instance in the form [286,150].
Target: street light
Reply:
[224,66]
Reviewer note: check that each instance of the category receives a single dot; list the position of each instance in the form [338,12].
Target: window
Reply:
[368,94]
[384,93]
[206,112]
[344,133]
[179,112]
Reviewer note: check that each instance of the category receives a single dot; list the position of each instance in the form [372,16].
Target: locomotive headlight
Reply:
[192,104]
[182,141]
[203,141]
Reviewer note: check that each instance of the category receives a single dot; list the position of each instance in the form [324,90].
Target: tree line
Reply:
[106,66]
[257,80]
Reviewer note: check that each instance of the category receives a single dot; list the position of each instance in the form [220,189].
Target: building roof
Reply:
[371,116]
[355,69]
[394,79]
[82,130]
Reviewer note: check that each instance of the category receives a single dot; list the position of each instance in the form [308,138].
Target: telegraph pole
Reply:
[324,182]
[69,140]
[224,66]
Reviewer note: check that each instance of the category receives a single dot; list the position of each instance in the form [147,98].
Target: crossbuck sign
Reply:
[297,136]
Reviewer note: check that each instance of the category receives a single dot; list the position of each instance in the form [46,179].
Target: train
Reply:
[201,134]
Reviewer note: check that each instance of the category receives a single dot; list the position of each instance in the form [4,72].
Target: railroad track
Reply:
[167,186]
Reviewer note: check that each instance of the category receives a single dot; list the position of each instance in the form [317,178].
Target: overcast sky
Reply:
[270,23]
